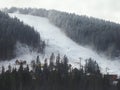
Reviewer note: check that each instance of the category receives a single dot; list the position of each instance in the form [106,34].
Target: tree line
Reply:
[101,35]
[12,30]
[56,74]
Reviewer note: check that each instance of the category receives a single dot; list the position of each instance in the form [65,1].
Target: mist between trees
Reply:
[56,74]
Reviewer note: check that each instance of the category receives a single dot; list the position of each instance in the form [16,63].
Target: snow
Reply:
[58,42]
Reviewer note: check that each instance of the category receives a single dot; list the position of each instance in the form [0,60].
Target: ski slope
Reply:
[58,42]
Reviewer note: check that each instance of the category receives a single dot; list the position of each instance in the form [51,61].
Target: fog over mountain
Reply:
[105,9]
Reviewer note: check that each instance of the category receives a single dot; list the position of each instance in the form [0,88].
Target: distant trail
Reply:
[58,42]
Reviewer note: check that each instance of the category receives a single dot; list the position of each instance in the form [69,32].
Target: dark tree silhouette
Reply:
[59,78]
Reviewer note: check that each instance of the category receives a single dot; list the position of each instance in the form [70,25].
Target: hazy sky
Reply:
[106,9]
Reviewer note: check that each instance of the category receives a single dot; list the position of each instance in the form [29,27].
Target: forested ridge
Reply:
[12,30]
[103,36]
[56,74]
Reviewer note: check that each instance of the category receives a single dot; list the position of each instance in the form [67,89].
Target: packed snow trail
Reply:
[58,42]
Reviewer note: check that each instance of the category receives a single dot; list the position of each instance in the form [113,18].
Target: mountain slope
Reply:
[103,36]
[59,43]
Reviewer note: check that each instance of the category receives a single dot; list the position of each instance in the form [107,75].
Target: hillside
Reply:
[58,42]
[13,32]
[103,36]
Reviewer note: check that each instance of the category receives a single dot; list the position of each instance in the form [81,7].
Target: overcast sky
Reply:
[105,9]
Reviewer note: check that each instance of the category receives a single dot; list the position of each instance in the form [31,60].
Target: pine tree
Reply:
[51,64]
[9,68]
[3,70]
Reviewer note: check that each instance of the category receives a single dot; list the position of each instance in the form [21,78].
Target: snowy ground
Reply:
[58,42]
